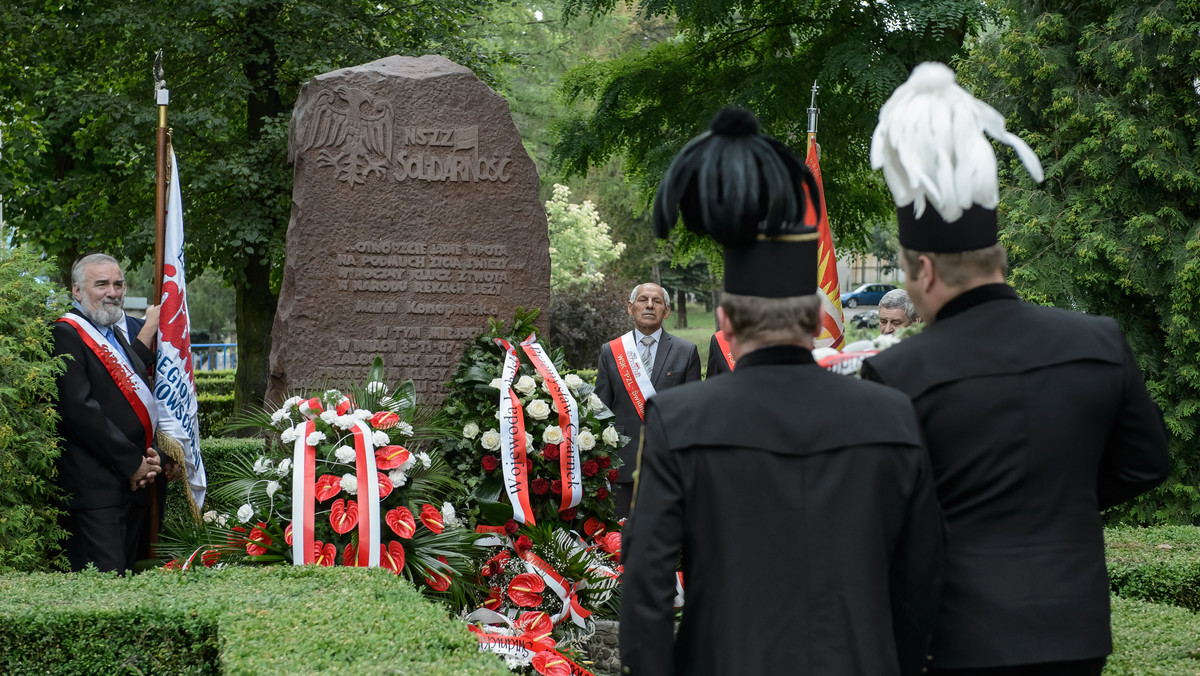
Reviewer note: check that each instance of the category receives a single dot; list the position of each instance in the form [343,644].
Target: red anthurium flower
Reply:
[391,457]
[384,420]
[385,485]
[328,486]
[432,518]
[611,543]
[526,589]
[492,602]
[324,554]
[256,543]
[343,515]
[593,526]
[235,539]
[210,557]
[287,535]
[537,625]
[549,663]
[173,564]
[401,521]
[438,580]
[391,556]
[349,555]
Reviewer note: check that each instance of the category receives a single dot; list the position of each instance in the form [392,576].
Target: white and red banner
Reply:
[632,371]
[512,439]
[568,411]
[832,320]
[174,381]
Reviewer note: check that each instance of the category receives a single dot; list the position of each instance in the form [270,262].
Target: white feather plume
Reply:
[931,147]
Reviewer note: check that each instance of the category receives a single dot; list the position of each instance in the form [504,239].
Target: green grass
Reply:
[700,329]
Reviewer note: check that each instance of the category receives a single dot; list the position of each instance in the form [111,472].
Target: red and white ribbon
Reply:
[562,587]
[512,439]
[632,371]
[368,487]
[568,410]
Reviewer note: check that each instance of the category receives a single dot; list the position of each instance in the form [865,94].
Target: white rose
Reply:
[272,488]
[329,416]
[375,387]
[538,409]
[546,386]
[350,484]
[262,465]
[595,403]
[404,429]
[496,383]
[490,440]
[344,454]
[528,443]
[289,435]
[284,466]
[362,414]
[426,461]
[525,385]
[610,436]
[210,516]
[245,513]
[314,438]
[222,519]
[470,430]
[380,439]
[398,477]
[552,435]
[573,382]
[587,440]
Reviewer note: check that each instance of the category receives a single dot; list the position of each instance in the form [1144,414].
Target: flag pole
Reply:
[161,97]
[813,112]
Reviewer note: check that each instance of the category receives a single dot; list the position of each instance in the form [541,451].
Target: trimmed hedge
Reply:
[1150,638]
[213,411]
[274,620]
[1160,565]
[223,385]
[216,451]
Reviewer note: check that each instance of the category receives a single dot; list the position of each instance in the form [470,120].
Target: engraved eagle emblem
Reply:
[353,133]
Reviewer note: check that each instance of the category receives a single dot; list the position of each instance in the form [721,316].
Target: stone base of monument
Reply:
[603,649]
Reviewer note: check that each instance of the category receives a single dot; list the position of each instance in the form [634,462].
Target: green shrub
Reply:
[222,385]
[29,531]
[213,411]
[215,375]
[216,452]
[1160,565]
[1149,638]
[274,620]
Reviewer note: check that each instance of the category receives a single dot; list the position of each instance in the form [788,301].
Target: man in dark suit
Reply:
[106,421]
[719,359]
[808,546]
[668,361]
[1036,419]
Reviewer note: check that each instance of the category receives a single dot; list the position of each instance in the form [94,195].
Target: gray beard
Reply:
[105,314]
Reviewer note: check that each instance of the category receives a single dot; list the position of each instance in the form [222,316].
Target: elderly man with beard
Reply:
[106,419]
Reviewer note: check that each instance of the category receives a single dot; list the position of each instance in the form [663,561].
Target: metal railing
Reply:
[214,356]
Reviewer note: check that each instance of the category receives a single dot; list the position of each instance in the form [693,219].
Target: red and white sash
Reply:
[512,439]
[632,371]
[568,422]
[723,343]
[136,392]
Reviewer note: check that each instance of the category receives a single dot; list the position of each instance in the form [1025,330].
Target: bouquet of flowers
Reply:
[343,481]
[535,443]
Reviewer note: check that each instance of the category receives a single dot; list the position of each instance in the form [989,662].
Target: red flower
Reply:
[210,557]
[523,543]
[323,554]
[391,457]
[490,463]
[385,485]
[611,543]
[540,486]
[556,487]
[511,526]
[604,461]
[550,451]
[234,540]
[590,468]
[256,543]
[537,625]
[593,526]
[601,493]
[384,420]
[401,521]
[526,589]
[343,516]
[432,518]
[438,580]
[173,564]
[493,600]
[528,465]
[569,515]
[328,486]
[391,556]
[349,555]
[287,535]
[612,476]
[550,663]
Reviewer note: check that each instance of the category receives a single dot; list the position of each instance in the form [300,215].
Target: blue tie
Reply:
[112,340]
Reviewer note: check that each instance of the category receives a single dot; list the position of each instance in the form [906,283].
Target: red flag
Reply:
[832,321]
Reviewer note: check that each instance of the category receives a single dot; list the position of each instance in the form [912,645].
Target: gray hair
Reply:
[897,299]
[773,319]
[90,259]
[959,268]
[633,294]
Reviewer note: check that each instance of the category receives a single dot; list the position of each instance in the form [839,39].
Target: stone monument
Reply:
[415,217]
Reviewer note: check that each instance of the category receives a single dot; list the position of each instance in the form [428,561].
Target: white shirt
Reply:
[657,336]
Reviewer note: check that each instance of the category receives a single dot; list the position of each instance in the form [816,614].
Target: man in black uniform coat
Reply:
[717,362]
[105,464]
[1035,419]
[672,361]
[808,546]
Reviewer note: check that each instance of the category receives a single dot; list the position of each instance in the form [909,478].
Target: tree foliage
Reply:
[763,56]
[1108,94]
[580,246]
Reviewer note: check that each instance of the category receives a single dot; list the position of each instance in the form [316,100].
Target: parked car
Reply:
[867,294]
[866,320]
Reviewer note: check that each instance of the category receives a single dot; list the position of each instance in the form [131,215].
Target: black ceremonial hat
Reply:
[750,193]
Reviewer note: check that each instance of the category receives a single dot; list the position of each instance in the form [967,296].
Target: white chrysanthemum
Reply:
[538,409]
[398,477]
[350,484]
[314,438]
[329,416]
[344,454]
[292,402]
[883,342]
[552,435]
[245,513]
[496,383]
[289,435]
[573,382]
[380,439]
[490,440]
[262,465]
[610,436]
[449,516]
[278,416]
[362,414]
[404,429]
[587,440]
[410,463]
[426,461]
[525,385]
[210,516]
[375,387]
[470,430]
[284,466]
[595,403]
[345,422]
[272,488]
[332,396]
